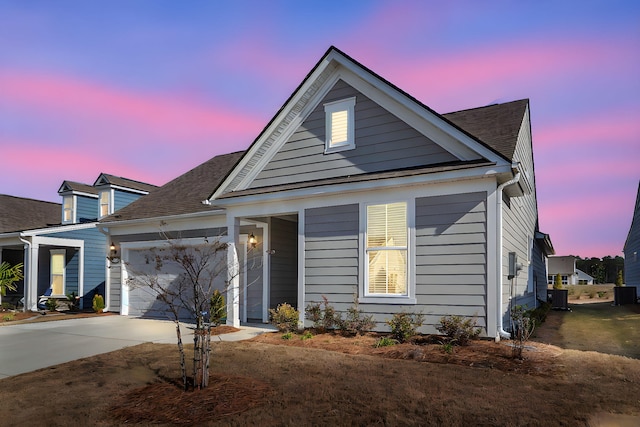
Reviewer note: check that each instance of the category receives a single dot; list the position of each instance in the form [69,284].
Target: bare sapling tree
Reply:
[201,275]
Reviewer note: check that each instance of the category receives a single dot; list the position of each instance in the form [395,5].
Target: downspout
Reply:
[29,278]
[107,273]
[501,332]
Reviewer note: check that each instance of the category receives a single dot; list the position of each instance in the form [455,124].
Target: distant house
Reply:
[59,244]
[632,247]
[565,266]
[355,188]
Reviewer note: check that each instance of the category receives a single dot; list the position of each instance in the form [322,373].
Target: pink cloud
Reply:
[587,226]
[605,127]
[160,115]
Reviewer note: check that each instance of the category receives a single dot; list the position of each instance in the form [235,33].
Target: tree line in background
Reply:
[603,270]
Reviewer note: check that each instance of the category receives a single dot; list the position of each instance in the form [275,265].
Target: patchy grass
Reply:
[594,327]
[333,380]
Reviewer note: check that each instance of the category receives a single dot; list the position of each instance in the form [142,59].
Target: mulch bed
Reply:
[167,402]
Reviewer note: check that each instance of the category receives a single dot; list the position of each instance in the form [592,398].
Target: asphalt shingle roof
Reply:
[128,183]
[19,214]
[496,125]
[182,195]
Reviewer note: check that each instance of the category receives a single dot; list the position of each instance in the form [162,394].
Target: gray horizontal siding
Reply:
[284,263]
[451,256]
[331,253]
[383,142]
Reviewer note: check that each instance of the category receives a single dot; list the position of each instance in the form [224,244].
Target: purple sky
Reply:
[150,89]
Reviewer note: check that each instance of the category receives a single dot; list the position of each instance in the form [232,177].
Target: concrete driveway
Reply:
[29,346]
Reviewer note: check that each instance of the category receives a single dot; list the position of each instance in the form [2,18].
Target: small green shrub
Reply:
[8,317]
[447,347]
[51,304]
[601,294]
[285,318]
[404,325]
[323,315]
[458,329]
[619,279]
[73,301]
[557,284]
[539,314]
[218,308]
[5,306]
[98,303]
[306,336]
[385,342]
[356,322]
[287,336]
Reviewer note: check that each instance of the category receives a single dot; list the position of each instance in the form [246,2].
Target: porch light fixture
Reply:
[253,241]
[113,254]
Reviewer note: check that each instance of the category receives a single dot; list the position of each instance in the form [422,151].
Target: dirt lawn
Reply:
[333,380]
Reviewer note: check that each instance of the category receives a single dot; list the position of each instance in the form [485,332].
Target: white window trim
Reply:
[332,107]
[73,209]
[410,297]
[62,252]
[109,203]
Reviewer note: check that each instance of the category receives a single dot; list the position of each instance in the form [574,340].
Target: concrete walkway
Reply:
[26,347]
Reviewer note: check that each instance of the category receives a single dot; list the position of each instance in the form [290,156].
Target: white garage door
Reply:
[141,268]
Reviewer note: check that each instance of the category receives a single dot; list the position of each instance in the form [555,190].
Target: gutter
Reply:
[501,333]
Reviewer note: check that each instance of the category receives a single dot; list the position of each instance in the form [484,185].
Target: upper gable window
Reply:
[340,126]
[67,209]
[105,203]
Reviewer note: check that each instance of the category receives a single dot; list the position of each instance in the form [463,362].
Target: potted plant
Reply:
[624,294]
[559,296]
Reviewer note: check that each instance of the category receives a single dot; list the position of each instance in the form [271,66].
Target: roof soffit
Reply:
[333,67]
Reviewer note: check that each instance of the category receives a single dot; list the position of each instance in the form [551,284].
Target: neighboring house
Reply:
[565,266]
[59,244]
[355,188]
[632,247]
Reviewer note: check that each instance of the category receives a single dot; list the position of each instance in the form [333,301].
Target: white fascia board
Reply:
[56,241]
[192,221]
[430,125]
[371,195]
[381,184]
[60,229]
[289,204]
[10,239]
[128,189]
[297,100]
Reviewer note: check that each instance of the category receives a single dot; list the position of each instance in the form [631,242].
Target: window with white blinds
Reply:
[340,126]
[386,249]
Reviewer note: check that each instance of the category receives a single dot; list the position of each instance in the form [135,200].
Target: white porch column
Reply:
[31,251]
[233,269]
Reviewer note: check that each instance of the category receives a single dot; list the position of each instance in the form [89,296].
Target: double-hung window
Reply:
[67,209]
[386,250]
[105,203]
[340,126]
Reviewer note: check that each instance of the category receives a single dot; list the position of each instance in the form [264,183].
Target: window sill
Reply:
[400,300]
[338,148]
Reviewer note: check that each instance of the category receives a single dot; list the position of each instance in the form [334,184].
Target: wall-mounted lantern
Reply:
[113,254]
[253,242]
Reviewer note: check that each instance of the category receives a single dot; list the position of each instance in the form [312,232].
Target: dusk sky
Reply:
[150,89]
